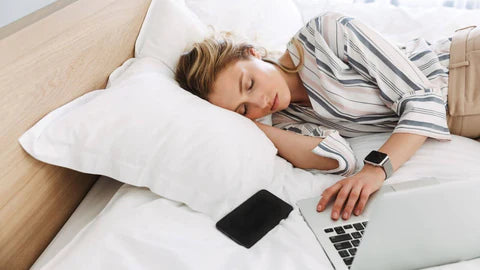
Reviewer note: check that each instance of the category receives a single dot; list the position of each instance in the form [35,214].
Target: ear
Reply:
[254,53]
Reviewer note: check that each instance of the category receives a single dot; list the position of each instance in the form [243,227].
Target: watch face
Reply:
[376,157]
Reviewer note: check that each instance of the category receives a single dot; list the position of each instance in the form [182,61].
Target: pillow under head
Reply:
[146,131]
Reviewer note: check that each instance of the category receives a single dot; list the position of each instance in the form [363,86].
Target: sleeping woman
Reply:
[339,78]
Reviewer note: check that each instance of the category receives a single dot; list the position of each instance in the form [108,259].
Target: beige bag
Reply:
[464,83]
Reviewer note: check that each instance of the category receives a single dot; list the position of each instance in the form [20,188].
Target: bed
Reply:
[57,218]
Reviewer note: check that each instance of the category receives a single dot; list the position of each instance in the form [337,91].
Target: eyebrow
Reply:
[239,88]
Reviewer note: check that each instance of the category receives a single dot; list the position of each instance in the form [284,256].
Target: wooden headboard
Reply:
[48,59]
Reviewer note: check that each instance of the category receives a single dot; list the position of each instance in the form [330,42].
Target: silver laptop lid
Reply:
[422,227]
[319,221]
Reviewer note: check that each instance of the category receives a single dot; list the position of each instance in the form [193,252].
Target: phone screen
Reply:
[254,218]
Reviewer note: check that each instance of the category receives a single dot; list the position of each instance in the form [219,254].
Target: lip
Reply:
[275,103]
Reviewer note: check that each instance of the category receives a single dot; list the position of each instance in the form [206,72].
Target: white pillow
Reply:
[146,131]
[269,23]
[171,26]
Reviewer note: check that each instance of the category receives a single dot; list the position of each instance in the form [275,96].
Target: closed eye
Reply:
[252,82]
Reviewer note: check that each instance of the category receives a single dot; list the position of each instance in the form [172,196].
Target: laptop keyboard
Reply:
[346,239]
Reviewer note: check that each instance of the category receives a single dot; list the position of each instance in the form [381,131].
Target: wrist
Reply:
[261,125]
[374,171]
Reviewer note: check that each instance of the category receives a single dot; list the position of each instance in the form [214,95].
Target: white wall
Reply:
[12,10]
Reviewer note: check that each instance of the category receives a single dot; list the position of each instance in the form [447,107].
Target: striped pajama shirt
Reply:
[358,83]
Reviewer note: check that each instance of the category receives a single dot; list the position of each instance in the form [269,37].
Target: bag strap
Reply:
[458,47]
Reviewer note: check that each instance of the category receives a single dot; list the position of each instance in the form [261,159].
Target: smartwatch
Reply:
[380,159]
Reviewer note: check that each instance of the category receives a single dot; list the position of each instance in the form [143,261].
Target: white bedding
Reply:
[96,199]
[141,230]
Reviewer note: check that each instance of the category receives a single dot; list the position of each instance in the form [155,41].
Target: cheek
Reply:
[286,98]
[284,95]
[270,80]
[277,84]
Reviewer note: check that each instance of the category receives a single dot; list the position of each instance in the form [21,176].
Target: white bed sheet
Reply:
[398,24]
[93,203]
[141,230]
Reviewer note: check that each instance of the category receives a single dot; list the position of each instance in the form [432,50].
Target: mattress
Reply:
[93,203]
[138,229]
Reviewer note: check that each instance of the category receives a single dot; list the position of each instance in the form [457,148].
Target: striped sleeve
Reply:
[332,146]
[403,87]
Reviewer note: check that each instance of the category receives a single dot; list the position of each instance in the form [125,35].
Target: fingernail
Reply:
[335,215]
[357,212]
[319,208]
[345,215]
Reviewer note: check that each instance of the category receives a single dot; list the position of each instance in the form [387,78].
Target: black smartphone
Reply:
[254,218]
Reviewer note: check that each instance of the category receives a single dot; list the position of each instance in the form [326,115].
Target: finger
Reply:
[364,195]
[352,200]
[327,195]
[340,201]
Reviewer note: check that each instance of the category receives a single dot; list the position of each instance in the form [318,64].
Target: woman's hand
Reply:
[353,190]
[356,189]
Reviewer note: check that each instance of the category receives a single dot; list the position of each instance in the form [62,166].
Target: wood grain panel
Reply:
[43,66]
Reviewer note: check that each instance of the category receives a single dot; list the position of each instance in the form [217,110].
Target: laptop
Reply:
[409,225]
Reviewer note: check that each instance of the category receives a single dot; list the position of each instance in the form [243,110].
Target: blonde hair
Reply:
[198,68]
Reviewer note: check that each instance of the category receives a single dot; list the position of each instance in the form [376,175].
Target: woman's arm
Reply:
[296,148]
[402,87]
[358,188]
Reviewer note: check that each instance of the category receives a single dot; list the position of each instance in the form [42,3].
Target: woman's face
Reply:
[251,87]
